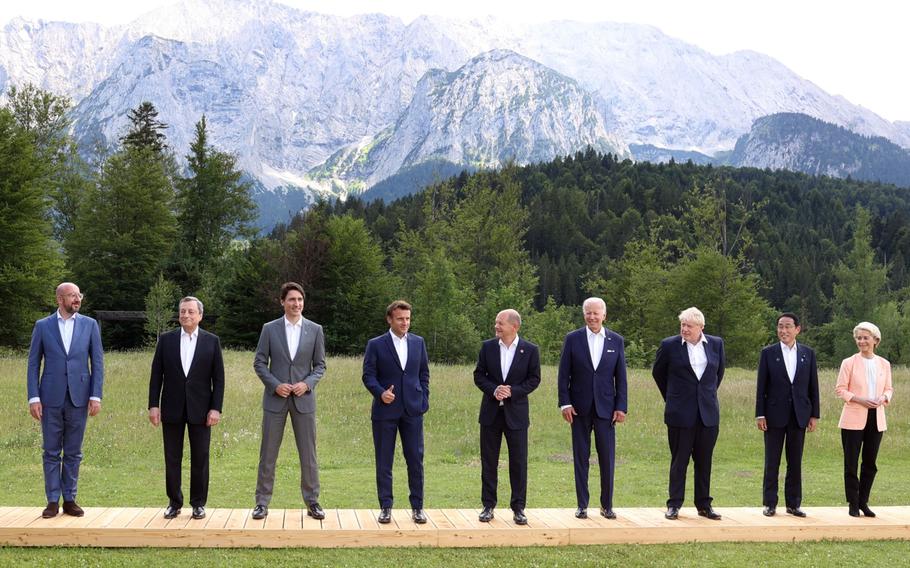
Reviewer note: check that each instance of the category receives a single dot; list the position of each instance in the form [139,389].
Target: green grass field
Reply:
[123,464]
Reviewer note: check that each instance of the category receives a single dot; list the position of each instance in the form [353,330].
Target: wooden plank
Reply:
[367,520]
[23,516]
[293,519]
[238,518]
[331,521]
[456,519]
[217,518]
[145,517]
[158,521]
[123,517]
[255,524]
[439,519]
[275,520]
[308,523]
[347,519]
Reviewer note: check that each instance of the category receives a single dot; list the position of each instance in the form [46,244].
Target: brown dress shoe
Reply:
[51,510]
[72,509]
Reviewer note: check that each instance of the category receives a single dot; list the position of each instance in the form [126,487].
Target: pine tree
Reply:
[146,130]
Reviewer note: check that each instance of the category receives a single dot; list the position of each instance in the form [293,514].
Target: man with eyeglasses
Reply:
[63,392]
[786,406]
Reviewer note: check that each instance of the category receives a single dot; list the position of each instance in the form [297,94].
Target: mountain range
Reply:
[331,106]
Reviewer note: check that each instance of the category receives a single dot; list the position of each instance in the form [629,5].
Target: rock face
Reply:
[335,105]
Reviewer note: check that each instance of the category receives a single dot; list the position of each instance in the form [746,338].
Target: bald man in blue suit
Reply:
[63,393]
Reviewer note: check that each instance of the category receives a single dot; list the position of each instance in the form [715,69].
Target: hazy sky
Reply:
[851,48]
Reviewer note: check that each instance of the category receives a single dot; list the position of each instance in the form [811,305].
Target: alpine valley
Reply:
[318,105]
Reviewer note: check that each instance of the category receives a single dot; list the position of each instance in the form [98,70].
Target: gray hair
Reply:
[512,316]
[870,327]
[594,300]
[186,299]
[692,315]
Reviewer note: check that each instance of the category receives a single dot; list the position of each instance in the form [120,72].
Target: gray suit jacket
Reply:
[274,366]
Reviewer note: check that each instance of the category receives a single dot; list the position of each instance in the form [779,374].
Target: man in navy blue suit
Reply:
[786,405]
[64,393]
[688,370]
[396,371]
[508,370]
[593,396]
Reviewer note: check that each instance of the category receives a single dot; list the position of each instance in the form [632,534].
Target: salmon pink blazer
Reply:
[851,382]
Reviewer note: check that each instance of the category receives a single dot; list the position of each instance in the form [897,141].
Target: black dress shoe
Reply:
[709,513]
[769,511]
[418,516]
[72,509]
[199,512]
[854,511]
[866,510]
[385,515]
[607,513]
[260,512]
[672,513]
[520,518]
[51,510]
[581,513]
[795,511]
[171,512]
[486,515]
[315,511]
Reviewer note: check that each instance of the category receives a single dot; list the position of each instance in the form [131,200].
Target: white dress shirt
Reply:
[67,325]
[401,347]
[188,348]
[871,378]
[698,359]
[506,356]
[596,345]
[292,330]
[789,360]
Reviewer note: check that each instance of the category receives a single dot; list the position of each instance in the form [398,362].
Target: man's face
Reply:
[690,331]
[594,316]
[505,329]
[69,299]
[399,321]
[787,331]
[189,316]
[293,305]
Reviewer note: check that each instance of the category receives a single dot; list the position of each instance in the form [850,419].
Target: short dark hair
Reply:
[397,305]
[288,286]
[790,315]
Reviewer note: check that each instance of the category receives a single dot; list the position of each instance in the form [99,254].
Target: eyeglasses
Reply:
[73,296]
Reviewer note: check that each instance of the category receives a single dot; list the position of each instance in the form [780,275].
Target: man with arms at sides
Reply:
[396,371]
[63,393]
[508,370]
[688,370]
[186,390]
[593,396]
[786,406]
[290,361]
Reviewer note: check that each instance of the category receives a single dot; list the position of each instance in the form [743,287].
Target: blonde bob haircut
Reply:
[871,328]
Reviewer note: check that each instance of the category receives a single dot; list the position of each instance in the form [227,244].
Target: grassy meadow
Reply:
[124,466]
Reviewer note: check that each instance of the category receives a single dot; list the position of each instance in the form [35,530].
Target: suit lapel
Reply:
[177,337]
[55,331]
[391,346]
[684,353]
[283,338]
[299,339]
[519,355]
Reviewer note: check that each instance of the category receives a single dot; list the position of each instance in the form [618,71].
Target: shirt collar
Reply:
[396,338]
[602,332]
[785,349]
[702,340]
[510,347]
[288,323]
[60,316]
[193,335]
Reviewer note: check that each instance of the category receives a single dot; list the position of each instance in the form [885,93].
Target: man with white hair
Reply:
[593,397]
[688,369]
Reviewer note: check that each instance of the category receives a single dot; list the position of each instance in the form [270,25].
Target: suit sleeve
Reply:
[425,372]
[318,370]
[156,379]
[842,389]
[813,387]
[621,385]
[564,376]
[532,380]
[370,375]
[482,374]
[659,370]
[96,352]
[761,387]
[35,355]
[217,377]
[889,388]
[261,362]
[721,361]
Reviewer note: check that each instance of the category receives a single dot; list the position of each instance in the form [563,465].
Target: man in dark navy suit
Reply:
[186,391]
[688,370]
[508,370]
[65,378]
[593,396]
[786,405]
[396,371]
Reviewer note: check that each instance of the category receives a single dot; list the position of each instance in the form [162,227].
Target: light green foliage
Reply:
[160,305]
[548,329]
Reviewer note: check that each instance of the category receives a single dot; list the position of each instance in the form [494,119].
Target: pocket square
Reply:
[611,351]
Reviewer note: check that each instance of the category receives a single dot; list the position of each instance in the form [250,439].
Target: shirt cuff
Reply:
[759,417]
[94,398]
[565,406]
[34,400]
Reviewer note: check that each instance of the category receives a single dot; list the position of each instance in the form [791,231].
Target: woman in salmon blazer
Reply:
[864,382]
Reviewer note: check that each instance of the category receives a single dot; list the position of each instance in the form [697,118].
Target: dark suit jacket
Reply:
[775,396]
[523,377]
[601,391]
[381,369]
[201,391]
[79,372]
[686,397]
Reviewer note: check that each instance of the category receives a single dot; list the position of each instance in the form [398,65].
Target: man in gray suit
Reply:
[290,361]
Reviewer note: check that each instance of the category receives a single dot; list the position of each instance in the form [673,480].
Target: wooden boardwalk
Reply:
[140,527]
